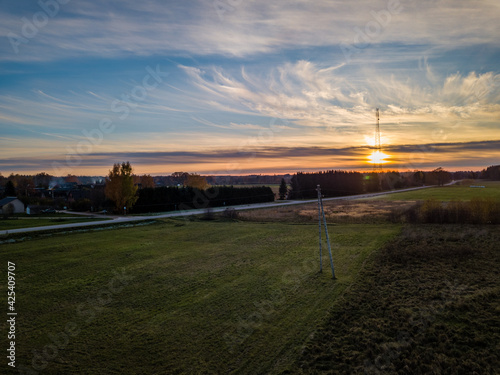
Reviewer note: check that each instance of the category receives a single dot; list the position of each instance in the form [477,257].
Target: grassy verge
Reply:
[459,191]
[427,304]
[45,215]
[23,222]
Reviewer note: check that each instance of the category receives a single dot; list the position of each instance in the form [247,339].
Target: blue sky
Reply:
[236,87]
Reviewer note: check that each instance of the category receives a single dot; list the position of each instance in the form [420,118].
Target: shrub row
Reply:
[173,198]
[475,211]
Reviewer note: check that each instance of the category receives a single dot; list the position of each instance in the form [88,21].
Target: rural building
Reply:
[16,204]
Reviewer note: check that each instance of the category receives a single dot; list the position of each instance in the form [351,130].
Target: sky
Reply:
[247,86]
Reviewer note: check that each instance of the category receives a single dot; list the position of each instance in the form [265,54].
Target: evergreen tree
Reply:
[283,189]
[10,190]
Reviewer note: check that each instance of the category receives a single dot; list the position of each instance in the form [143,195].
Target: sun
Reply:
[378,157]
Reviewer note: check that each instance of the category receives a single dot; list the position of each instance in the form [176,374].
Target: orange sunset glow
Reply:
[378,157]
[208,91]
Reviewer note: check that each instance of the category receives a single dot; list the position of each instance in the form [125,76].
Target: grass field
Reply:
[459,191]
[336,212]
[429,303]
[179,296]
[244,296]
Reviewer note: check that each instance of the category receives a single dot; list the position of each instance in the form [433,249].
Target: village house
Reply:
[17,205]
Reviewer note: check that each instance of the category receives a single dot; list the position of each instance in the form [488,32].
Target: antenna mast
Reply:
[377,138]
[377,131]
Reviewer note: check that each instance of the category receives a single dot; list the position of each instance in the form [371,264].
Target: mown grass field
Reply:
[179,296]
[459,191]
[244,296]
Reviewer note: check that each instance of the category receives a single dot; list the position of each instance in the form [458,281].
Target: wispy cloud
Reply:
[315,104]
[118,28]
[315,96]
[406,157]
[430,66]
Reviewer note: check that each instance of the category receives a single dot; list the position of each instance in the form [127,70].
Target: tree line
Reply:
[126,191]
[172,198]
[196,193]
[333,184]
[342,183]
[492,173]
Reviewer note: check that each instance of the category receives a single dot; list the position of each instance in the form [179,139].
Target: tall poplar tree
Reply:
[120,186]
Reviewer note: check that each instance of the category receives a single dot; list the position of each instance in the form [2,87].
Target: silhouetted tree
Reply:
[196,181]
[333,183]
[24,184]
[170,198]
[391,180]
[10,190]
[71,178]
[418,178]
[438,177]
[295,188]
[42,180]
[283,189]
[492,173]
[147,181]
[120,186]
[179,178]
[372,182]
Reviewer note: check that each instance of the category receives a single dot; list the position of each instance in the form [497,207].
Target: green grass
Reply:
[197,297]
[428,303]
[56,214]
[24,222]
[452,192]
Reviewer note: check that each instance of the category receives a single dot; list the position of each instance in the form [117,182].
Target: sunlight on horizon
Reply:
[378,157]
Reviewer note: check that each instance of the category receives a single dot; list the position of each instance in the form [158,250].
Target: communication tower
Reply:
[377,138]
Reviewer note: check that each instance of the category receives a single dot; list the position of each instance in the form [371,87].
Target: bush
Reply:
[457,212]
[432,211]
[230,213]
[412,214]
[208,215]
[8,210]
[475,211]
[405,215]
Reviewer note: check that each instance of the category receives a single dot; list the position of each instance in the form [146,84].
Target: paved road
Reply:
[116,220]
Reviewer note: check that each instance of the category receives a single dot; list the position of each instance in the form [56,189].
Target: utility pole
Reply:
[319,227]
[377,139]
[321,213]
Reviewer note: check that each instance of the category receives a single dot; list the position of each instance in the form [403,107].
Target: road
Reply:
[117,220]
